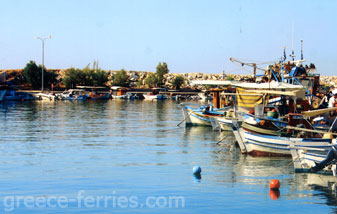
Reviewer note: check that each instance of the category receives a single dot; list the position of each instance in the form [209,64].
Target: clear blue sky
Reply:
[190,35]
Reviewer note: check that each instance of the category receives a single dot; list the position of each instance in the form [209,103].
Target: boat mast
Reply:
[301,49]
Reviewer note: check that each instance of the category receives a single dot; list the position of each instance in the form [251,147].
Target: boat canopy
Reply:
[318,112]
[271,86]
[211,82]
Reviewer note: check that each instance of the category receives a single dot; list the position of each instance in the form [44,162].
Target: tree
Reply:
[100,78]
[178,81]
[139,83]
[121,78]
[161,71]
[32,73]
[151,80]
[71,78]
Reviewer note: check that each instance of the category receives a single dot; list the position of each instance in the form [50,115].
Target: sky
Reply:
[189,35]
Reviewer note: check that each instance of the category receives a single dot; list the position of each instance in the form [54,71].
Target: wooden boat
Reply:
[305,156]
[9,94]
[95,92]
[155,94]
[222,123]
[150,96]
[201,115]
[268,145]
[47,96]
[74,94]
[118,92]
[263,140]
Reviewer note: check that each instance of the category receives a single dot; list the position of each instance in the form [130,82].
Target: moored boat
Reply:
[318,158]
[201,115]
[155,94]
[47,96]
[74,94]
[95,92]
[10,94]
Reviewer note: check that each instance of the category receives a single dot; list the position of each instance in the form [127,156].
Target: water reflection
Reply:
[274,194]
[323,187]
[197,178]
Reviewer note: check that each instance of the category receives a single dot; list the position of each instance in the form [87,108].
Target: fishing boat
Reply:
[8,93]
[267,140]
[195,114]
[155,94]
[95,92]
[307,156]
[74,94]
[224,123]
[269,145]
[205,115]
[47,96]
[119,92]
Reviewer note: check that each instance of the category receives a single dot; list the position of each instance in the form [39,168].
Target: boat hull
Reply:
[222,124]
[305,156]
[194,118]
[154,97]
[268,145]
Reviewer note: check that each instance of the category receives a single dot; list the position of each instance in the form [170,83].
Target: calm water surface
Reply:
[130,156]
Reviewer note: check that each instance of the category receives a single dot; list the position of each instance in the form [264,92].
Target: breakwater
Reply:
[139,76]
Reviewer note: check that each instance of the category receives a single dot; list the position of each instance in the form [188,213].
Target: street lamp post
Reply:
[42,40]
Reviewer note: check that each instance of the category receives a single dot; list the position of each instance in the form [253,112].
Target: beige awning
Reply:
[318,112]
[300,93]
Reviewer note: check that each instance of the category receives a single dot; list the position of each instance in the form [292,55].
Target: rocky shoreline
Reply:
[136,76]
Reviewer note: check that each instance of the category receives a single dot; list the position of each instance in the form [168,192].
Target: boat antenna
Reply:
[301,49]
[282,68]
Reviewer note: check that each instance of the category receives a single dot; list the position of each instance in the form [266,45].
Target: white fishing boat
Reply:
[268,145]
[155,94]
[201,115]
[263,141]
[74,94]
[118,92]
[307,156]
[150,96]
[47,96]
[95,92]
[223,123]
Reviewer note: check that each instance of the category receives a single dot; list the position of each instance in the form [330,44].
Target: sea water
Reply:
[127,156]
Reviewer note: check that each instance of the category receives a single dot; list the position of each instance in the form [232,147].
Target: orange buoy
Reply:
[274,184]
[274,194]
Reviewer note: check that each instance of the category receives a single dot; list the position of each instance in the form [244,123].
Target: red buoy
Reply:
[274,184]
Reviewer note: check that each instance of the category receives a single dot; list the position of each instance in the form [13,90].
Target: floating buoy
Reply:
[196,170]
[274,184]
